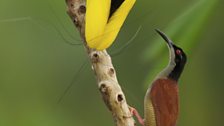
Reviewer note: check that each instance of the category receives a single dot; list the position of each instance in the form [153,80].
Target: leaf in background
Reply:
[184,31]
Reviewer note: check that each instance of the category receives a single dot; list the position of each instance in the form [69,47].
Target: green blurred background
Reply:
[37,64]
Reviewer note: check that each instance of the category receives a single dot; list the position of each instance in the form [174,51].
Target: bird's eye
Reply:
[178,52]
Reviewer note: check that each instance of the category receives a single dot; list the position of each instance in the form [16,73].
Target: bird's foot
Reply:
[135,113]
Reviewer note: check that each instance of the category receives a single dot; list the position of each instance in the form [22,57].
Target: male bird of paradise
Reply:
[104,19]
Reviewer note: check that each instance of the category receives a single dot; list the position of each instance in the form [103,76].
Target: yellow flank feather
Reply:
[101,31]
[97,14]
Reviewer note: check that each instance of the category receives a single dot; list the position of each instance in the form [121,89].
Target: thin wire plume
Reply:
[75,78]
[63,27]
[121,49]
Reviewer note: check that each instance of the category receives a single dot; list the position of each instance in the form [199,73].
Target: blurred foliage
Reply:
[184,31]
[37,63]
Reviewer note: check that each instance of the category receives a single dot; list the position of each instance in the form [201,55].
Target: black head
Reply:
[180,56]
[177,57]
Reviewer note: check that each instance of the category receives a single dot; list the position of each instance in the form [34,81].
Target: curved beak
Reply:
[170,44]
[164,36]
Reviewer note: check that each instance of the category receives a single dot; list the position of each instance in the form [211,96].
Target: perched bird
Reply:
[161,102]
[104,19]
[161,105]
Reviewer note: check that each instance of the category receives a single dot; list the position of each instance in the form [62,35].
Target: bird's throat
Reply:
[176,71]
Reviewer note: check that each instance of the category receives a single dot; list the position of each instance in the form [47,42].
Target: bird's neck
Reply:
[176,72]
[166,72]
[172,71]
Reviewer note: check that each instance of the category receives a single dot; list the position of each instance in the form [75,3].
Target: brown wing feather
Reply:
[164,95]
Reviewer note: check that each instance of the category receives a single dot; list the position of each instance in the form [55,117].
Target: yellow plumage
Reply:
[100,30]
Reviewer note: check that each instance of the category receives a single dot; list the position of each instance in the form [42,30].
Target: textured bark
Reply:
[102,66]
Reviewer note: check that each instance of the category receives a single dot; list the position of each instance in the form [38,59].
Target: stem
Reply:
[102,66]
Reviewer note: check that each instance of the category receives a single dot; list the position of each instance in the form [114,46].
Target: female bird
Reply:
[104,19]
[161,101]
[161,105]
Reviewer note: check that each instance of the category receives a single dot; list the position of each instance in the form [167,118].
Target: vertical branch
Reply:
[105,73]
